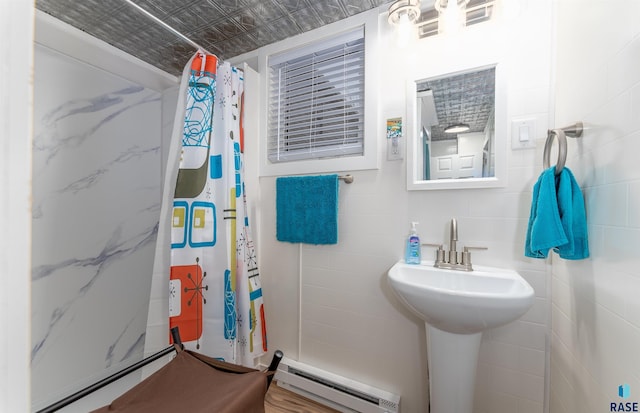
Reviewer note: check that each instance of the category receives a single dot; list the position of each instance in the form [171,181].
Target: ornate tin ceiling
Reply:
[225,27]
[229,28]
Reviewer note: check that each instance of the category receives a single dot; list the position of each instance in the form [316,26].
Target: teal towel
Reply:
[307,209]
[558,219]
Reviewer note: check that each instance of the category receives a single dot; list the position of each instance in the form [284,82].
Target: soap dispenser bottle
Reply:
[412,253]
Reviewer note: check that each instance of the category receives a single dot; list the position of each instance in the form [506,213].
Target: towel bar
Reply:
[574,131]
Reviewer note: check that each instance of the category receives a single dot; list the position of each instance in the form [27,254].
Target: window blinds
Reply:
[316,101]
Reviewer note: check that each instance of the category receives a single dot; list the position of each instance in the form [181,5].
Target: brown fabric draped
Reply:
[194,383]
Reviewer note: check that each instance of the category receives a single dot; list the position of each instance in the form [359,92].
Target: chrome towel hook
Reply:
[574,131]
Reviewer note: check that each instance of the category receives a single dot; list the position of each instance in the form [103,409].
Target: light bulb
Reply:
[404,30]
[451,17]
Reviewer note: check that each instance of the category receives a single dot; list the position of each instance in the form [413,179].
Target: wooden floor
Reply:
[279,400]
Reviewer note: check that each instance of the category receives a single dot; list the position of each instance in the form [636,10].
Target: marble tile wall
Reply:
[96,203]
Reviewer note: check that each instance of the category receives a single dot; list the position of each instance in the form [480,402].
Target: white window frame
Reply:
[316,100]
[370,158]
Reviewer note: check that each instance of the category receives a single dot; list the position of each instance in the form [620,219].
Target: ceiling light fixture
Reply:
[407,10]
[452,15]
[457,128]
[404,14]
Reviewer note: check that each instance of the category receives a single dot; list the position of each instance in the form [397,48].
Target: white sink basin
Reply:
[462,302]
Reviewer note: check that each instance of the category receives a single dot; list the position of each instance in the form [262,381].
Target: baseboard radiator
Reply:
[337,392]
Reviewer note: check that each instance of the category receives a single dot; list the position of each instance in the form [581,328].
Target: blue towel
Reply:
[307,209]
[558,219]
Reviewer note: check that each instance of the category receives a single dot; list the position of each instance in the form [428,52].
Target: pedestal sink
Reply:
[457,306]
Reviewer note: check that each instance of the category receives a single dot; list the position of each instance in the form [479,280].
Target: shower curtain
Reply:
[215,297]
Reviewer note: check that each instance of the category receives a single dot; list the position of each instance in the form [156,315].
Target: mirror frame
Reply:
[501,138]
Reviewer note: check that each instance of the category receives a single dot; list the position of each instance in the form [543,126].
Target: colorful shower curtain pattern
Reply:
[215,296]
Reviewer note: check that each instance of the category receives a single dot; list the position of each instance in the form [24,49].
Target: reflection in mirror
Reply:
[456,125]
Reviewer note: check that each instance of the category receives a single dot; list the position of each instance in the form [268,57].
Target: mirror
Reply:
[456,126]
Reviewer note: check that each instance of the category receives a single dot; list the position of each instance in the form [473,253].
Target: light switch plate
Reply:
[523,133]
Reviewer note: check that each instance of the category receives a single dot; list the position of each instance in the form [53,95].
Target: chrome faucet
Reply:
[450,260]
[453,237]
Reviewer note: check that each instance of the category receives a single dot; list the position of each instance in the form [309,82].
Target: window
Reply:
[316,100]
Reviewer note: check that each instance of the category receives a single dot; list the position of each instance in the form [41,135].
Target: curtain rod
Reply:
[166,26]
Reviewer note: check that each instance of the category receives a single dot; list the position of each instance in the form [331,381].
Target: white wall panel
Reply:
[96,201]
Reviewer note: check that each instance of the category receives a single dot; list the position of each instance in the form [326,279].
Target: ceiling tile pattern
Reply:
[225,27]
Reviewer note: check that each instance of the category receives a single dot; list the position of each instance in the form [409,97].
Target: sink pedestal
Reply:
[452,360]
[457,306]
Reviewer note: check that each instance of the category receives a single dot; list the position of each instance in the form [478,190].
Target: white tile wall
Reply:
[595,315]
[350,322]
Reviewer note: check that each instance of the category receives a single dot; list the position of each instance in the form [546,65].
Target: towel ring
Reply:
[574,131]
[562,150]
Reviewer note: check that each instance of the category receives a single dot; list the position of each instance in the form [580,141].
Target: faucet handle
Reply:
[466,255]
[439,251]
[466,249]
